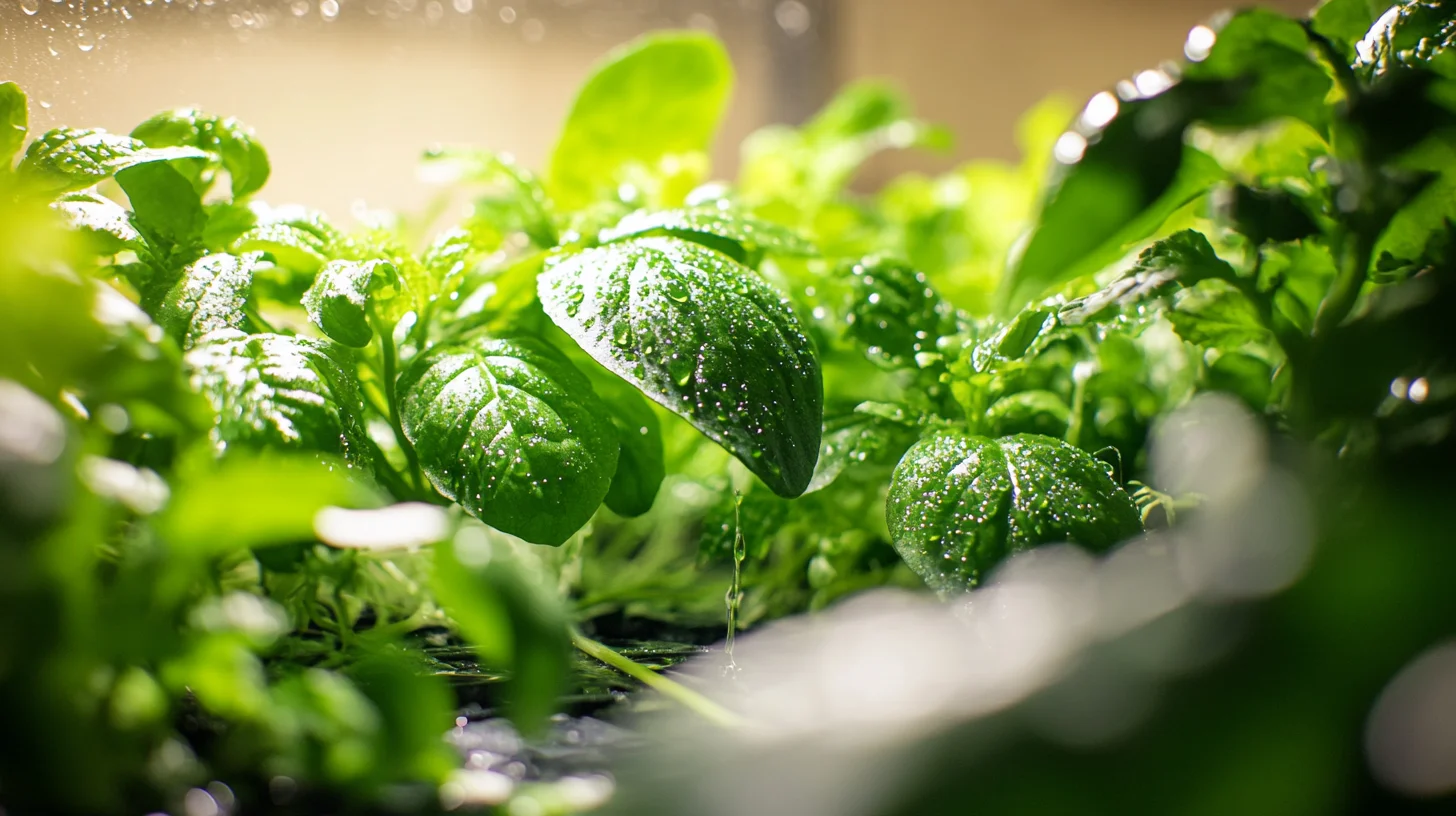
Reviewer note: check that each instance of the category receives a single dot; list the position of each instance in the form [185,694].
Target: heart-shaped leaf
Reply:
[704,337]
[511,431]
[959,504]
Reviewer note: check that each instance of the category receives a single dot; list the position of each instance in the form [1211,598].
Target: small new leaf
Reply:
[511,431]
[341,297]
[14,123]
[227,144]
[894,312]
[958,504]
[705,338]
[66,159]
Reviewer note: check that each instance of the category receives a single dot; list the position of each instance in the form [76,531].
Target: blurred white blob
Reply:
[1199,43]
[1410,739]
[399,527]
[139,489]
[259,619]
[1212,448]
[30,429]
[475,788]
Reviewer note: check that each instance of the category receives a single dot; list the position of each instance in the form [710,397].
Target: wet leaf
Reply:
[212,295]
[511,431]
[1345,22]
[227,143]
[275,391]
[873,433]
[658,96]
[297,239]
[340,300]
[894,312]
[1413,34]
[68,159]
[1031,412]
[640,465]
[1216,316]
[735,234]
[101,218]
[1178,261]
[958,505]
[521,204]
[705,338]
[14,122]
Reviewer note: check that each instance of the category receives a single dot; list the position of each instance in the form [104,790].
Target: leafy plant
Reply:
[266,458]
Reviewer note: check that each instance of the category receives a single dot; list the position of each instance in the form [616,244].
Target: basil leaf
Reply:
[14,122]
[1036,412]
[894,312]
[227,143]
[339,300]
[212,295]
[1216,316]
[276,391]
[165,206]
[640,465]
[522,205]
[1178,261]
[959,504]
[100,217]
[1345,22]
[706,339]
[734,234]
[67,159]
[661,95]
[511,431]
[873,434]
[299,240]
[1122,170]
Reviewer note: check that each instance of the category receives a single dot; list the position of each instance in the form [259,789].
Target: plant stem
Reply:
[707,709]
[1346,288]
[386,341]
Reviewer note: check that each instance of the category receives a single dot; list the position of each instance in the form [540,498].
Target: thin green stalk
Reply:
[391,396]
[707,709]
[1346,288]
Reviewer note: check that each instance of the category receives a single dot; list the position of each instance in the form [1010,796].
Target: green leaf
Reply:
[297,239]
[1413,34]
[14,122]
[894,312]
[212,294]
[734,234]
[514,433]
[1121,172]
[227,143]
[640,465]
[706,339]
[661,95]
[958,504]
[101,218]
[1271,55]
[414,705]
[1263,215]
[1029,412]
[514,622]
[1345,22]
[275,391]
[66,159]
[1178,261]
[165,206]
[873,433]
[340,299]
[1216,316]
[522,205]
[204,516]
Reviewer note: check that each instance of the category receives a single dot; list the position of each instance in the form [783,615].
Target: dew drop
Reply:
[676,290]
[622,334]
[30,7]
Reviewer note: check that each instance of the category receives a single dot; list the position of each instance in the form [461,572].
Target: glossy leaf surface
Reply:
[68,159]
[511,431]
[227,143]
[339,300]
[212,295]
[736,234]
[276,391]
[705,338]
[958,504]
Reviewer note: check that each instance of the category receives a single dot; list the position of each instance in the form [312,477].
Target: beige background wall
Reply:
[345,105]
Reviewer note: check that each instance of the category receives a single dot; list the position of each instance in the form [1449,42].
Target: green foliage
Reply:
[241,421]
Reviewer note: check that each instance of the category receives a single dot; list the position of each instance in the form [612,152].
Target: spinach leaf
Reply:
[276,391]
[227,144]
[510,430]
[737,235]
[14,123]
[706,339]
[959,504]
[67,159]
[212,295]
[340,300]
[662,95]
